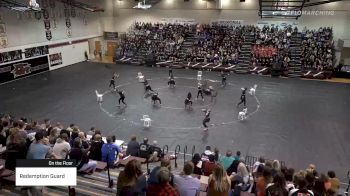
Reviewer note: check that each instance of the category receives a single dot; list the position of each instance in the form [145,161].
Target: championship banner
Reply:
[56,59]
[178,21]
[10,56]
[226,22]
[36,51]
[21,69]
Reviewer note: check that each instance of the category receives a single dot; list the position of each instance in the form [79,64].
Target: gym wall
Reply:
[123,15]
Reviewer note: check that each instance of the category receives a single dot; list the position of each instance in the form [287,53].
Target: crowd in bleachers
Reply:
[223,44]
[164,40]
[272,46]
[216,44]
[226,174]
[318,49]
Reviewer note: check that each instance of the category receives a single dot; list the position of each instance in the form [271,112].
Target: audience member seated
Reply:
[61,148]
[95,149]
[110,151]
[185,183]
[144,151]
[2,135]
[335,182]
[83,163]
[84,141]
[53,135]
[40,148]
[238,156]
[133,147]
[289,179]
[156,152]
[219,183]
[226,160]
[260,162]
[263,181]
[132,181]
[301,188]
[278,186]
[205,155]
[197,162]
[209,165]
[318,49]
[163,187]
[165,162]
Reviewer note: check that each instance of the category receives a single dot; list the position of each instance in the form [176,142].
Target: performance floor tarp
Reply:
[299,122]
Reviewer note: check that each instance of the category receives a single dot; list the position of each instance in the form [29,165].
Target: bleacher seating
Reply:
[98,182]
[242,49]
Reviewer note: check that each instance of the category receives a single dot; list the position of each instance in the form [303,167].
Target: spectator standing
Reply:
[219,184]
[110,151]
[185,183]
[133,147]
[132,181]
[163,188]
[61,148]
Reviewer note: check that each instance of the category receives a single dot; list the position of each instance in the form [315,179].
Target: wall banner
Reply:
[36,51]
[10,56]
[56,59]
[24,68]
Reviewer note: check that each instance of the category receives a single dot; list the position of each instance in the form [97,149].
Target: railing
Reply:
[185,151]
[177,151]
[165,149]
[348,188]
[193,150]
